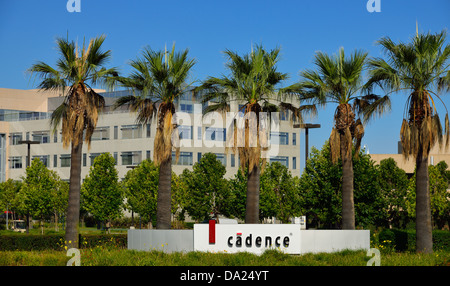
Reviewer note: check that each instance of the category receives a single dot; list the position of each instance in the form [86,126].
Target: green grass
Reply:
[110,256]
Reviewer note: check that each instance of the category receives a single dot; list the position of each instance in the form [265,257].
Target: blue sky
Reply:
[28,29]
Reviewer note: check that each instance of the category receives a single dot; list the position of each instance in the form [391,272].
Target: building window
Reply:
[241,110]
[232,163]
[279,138]
[284,160]
[41,136]
[294,163]
[185,132]
[284,115]
[294,139]
[199,134]
[15,162]
[215,134]
[55,161]
[187,108]
[131,131]
[199,156]
[148,156]
[65,160]
[149,130]
[44,159]
[222,158]
[100,133]
[93,156]
[84,159]
[131,158]
[116,159]
[184,159]
[14,138]
[116,132]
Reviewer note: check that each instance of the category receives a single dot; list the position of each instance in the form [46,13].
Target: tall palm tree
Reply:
[252,81]
[76,70]
[338,80]
[420,68]
[159,78]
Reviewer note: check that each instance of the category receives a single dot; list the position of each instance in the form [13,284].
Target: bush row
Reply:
[402,240]
[57,242]
[405,240]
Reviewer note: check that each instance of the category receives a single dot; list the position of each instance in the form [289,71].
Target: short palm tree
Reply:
[252,81]
[421,68]
[75,70]
[159,78]
[338,80]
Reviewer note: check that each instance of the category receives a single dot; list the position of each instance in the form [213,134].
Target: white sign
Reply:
[254,238]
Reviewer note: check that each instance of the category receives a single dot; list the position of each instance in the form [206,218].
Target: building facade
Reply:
[25,115]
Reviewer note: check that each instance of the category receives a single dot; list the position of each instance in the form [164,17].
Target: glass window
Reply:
[14,138]
[284,160]
[65,160]
[280,138]
[187,108]
[185,131]
[41,136]
[131,157]
[294,162]
[184,159]
[131,131]
[199,156]
[15,162]
[232,163]
[215,134]
[84,159]
[93,156]
[149,130]
[222,158]
[284,115]
[55,161]
[294,139]
[100,133]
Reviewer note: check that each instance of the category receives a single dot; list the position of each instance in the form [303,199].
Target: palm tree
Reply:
[252,81]
[75,70]
[421,68]
[338,80]
[159,78]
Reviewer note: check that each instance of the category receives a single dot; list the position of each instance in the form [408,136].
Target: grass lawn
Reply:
[111,256]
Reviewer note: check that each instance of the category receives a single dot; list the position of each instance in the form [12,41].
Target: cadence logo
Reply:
[255,238]
[266,241]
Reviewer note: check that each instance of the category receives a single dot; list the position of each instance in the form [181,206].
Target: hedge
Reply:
[56,241]
[405,240]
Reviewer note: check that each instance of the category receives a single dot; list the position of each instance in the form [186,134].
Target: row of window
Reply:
[135,157]
[100,133]
[135,131]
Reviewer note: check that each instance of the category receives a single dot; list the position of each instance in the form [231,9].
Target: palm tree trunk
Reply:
[73,209]
[252,203]
[348,207]
[163,208]
[424,239]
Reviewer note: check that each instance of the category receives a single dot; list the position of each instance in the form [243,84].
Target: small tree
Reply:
[101,193]
[8,195]
[141,189]
[37,196]
[394,184]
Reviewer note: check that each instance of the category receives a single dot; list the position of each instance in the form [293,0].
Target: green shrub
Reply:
[405,240]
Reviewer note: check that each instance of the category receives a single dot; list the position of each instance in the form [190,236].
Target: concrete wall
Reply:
[300,241]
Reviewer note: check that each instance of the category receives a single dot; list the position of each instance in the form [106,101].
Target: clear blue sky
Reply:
[28,29]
